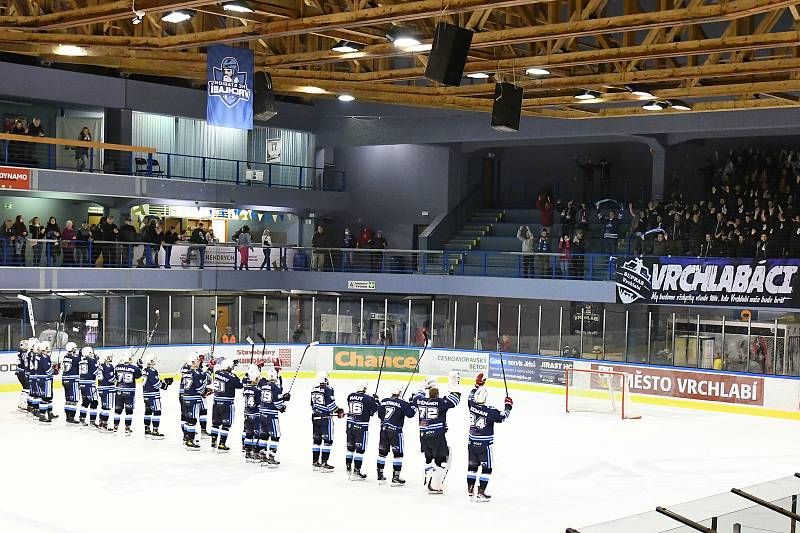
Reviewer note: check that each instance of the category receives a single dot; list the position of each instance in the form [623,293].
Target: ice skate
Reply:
[381,478]
[128,432]
[357,475]
[482,497]
[222,448]
[316,466]
[155,435]
[397,481]
[325,468]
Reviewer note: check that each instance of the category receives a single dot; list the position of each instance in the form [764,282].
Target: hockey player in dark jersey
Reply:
[252,401]
[106,382]
[272,404]
[432,411]
[70,369]
[24,403]
[226,383]
[393,412]
[323,409]
[45,371]
[33,376]
[360,408]
[206,369]
[87,379]
[127,374]
[151,391]
[193,383]
[482,419]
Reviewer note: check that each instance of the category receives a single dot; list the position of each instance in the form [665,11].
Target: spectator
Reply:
[35,129]
[582,219]
[127,236]
[7,235]
[546,208]
[211,238]
[170,238]
[68,237]
[660,247]
[364,237]
[638,229]
[348,242]
[565,249]
[266,247]
[677,234]
[245,243]
[378,242]
[17,150]
[528,248]
[578,254]
[109,234]
[610,231]
[228,337]
[82,238]
[587,169]
[695,232]
[604,167]
[762,250]
[96,244]
[20,240]
[567,216]
[318,242]
[155,239]
[198,238]
[543,248]
[36,233]
[82,152]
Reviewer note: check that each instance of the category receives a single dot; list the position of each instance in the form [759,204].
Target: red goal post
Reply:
[598,391]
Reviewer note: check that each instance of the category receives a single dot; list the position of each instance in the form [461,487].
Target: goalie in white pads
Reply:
[482,419]
[432,412]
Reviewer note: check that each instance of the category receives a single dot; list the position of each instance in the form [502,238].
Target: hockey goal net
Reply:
[598,391]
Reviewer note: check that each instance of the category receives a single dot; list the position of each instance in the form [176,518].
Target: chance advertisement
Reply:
[371,359]
[725,388]
[230,87]
[529,369]
[709,281]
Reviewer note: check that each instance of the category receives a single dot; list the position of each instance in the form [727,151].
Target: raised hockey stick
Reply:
[416,367]
[309,345]
[149,336]
[383,361]
[252,348]
[57,344]
[502,366]
[263,348]
[29,302]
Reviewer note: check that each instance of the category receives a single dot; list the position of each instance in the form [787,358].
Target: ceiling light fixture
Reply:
[237,6]
[347,47]
[177,16]
[588,95]
[658,105]
[537,71]
[478,75]
[680,105]
[138,14]
[310,89]
[346,97]
[403,37]
[70,50]
[642,91]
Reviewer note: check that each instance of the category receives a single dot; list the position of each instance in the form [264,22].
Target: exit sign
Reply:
[7,205]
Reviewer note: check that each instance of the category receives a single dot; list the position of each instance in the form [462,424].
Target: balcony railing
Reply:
[66,154]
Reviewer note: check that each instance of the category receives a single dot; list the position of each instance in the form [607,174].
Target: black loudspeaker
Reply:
[507,107]
[263,97]
[449,54]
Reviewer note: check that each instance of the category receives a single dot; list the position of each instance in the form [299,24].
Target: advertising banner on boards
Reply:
[708,281]
[529,369]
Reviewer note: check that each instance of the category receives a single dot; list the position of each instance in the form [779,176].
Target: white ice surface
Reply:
[552,470]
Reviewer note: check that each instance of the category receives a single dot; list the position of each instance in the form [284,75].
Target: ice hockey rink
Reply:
[552,470]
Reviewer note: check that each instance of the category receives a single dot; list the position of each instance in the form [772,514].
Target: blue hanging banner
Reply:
[230,87]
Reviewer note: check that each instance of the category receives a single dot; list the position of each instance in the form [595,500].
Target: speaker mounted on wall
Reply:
[507,107]
[264,107]
[449,54]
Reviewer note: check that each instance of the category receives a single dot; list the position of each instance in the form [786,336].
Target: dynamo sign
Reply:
[229,87]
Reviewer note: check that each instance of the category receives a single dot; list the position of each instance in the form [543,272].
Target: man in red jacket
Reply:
[546,207]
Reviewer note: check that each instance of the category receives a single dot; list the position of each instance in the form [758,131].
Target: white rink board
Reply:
[778,396]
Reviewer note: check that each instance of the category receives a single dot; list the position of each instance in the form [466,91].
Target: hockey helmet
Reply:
[193,359]
[322,377]
[230,63]
[430,382]
[71,347]
[149,360]
[253,373]
[108,357]
[480,395]
[224,364]
[44,347]
[87,351]
[362,387]
[396,390]
[272,374]
[23,344]
[32,341]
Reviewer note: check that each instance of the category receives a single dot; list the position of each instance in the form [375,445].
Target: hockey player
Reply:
[432,412]
[70,374]
[87,379]
[193,383]
[127,374]
[272,404]
[323,409]
[24,403]
[33,376]
[360,406]
[393,412]
[252,402]
[106,381]
[151,391]
[482,419]
[207,381]
[225,385]
[45,371]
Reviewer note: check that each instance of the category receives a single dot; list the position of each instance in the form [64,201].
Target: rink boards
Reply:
[676,387]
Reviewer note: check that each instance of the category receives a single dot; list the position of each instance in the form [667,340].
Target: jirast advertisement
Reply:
[529,369]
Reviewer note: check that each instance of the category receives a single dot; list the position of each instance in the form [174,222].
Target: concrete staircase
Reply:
[469,237]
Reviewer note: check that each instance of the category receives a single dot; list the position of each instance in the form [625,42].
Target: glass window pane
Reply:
[137,320]
[398,321]
[181,319]
[638,329]
[420,320]
[592,340]
[508,326]
[349,320]
[83,320]
[373,320]
[204,313]
[161,333]
[487,325]
[114,321]
[324,318]
[252,318]
[570,329]
[465,323]
[615,333]
[661,348]
[277,319]
[228,322]
[529,328]
[442,333]
[551,313]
